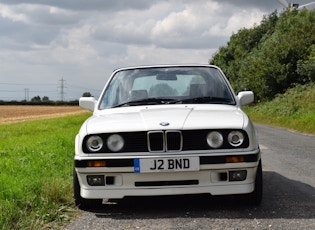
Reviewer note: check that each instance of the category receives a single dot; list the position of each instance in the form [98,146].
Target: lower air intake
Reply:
[166,183]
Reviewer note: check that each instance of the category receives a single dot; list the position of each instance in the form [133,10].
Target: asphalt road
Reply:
[288,202]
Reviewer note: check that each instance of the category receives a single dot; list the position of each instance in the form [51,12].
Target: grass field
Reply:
[293,110]
[36,161]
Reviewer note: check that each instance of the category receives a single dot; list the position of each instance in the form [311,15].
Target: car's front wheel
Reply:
[255,197]
[80,202]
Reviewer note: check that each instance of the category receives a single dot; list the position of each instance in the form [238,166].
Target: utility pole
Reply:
[27,91]
[62,89]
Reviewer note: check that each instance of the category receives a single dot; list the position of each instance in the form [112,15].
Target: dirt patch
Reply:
[13,114]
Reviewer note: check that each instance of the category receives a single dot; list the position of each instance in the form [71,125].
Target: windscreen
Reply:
[167,85]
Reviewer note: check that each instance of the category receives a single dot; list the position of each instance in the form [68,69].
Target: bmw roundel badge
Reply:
[164,123]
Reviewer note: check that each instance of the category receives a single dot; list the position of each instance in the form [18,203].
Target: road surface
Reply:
[288,202]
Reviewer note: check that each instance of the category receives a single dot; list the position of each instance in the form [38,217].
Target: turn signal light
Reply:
[235,159]
[96,163]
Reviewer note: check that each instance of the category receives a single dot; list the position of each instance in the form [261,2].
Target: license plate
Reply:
[166,164]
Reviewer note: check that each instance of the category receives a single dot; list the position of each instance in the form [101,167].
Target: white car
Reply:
[166,130]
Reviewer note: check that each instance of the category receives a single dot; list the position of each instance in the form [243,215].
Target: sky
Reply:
[63,48]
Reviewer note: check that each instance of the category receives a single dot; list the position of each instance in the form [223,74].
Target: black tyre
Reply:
[255,197]
[80,202]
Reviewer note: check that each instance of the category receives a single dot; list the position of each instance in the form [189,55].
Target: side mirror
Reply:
[245,97]
[87,103]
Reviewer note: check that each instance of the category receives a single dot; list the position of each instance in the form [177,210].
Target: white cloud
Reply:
[154,55]
[253,17]
[10,13]
[72,46]
[186,28]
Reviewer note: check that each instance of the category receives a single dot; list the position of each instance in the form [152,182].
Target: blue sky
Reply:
[83,41]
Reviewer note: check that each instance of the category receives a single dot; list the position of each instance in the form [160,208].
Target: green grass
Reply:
[36,162]
[293,110]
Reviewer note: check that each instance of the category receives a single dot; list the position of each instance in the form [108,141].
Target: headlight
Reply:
[235,138]
[94,143]
[215,139]
[115,142]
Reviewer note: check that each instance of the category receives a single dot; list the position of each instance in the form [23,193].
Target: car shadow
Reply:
[283,198]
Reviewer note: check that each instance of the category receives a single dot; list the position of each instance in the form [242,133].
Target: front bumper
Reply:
[212,178]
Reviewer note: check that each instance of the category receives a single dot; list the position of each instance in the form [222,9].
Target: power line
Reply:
[61,90]
[38,84]
[85,88]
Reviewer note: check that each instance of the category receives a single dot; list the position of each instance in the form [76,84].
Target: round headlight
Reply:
[94,143]
[215,139]
[115,142]
[235,138]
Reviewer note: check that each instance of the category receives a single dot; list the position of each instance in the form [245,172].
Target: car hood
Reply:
[176,117]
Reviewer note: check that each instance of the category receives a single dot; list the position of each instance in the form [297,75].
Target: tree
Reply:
[86,94]
[272,57]
[232,57]
[36,99]
[45,99]
[306,68]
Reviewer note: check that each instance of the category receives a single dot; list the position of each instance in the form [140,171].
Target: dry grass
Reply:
[14,114]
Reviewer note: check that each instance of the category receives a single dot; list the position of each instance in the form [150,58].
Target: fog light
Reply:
[96,180]
[239,175]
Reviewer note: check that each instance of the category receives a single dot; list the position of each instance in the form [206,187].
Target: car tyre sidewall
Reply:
[255,197]
[80,202]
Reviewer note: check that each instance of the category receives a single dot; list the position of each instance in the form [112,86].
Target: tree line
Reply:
[37,100]
[52,103]
[271,57]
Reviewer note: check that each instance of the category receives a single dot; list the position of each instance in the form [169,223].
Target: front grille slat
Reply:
[174,141]
[156,141]
[168,141]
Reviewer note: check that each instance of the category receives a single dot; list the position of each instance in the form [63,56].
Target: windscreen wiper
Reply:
[212,100]
[146,101]
[157,101]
